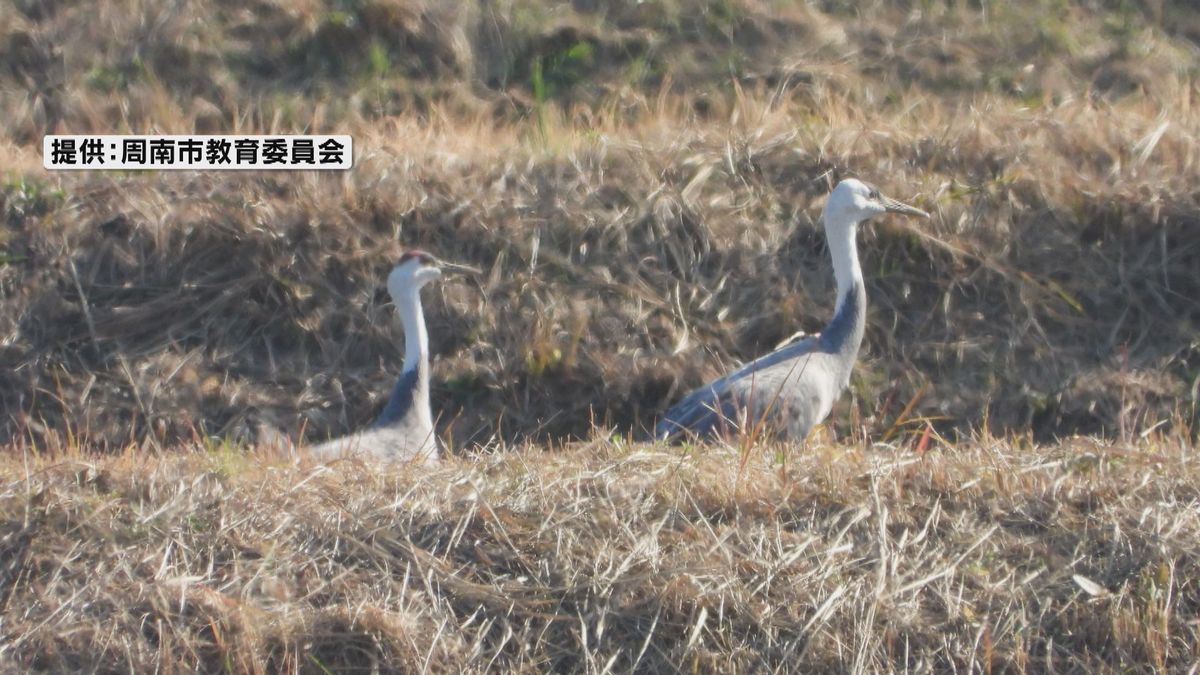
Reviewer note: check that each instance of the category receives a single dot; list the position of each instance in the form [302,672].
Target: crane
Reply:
[788,391]
[404,431]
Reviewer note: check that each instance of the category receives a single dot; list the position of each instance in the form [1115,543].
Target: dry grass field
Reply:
[1011,482]
[991,555]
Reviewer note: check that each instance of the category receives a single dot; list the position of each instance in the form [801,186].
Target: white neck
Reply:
[416,338]
[844,251]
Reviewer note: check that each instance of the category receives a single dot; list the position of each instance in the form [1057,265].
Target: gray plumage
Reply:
[400,433]
[790,390]
[401,402]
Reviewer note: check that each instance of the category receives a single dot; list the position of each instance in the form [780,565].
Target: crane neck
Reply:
[411,394]
[416,337]
[844,333]
[843,249]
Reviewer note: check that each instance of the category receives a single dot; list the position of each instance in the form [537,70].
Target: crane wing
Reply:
[716,406]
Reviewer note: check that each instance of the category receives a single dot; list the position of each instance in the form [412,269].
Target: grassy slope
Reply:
[646,210]
[643,199]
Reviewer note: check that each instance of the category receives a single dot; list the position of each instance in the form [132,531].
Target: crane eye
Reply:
[874,194]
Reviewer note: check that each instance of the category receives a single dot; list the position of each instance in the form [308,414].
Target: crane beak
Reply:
[457,268]
[894,206]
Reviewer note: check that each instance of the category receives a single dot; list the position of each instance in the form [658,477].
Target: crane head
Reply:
[415,269]
[853,201]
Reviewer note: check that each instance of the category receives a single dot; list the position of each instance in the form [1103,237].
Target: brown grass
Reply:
[996,556]
[645,220]
[1048,290]
[641,183]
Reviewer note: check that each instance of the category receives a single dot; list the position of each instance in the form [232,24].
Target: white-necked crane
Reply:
[792,389]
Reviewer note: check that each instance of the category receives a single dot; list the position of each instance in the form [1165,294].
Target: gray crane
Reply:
[404,430]
[787,392]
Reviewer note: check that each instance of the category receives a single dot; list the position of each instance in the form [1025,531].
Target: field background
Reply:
[1011,481]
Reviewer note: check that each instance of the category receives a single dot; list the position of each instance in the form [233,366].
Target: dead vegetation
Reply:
[1080,557]
[640,182]
[643,218]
